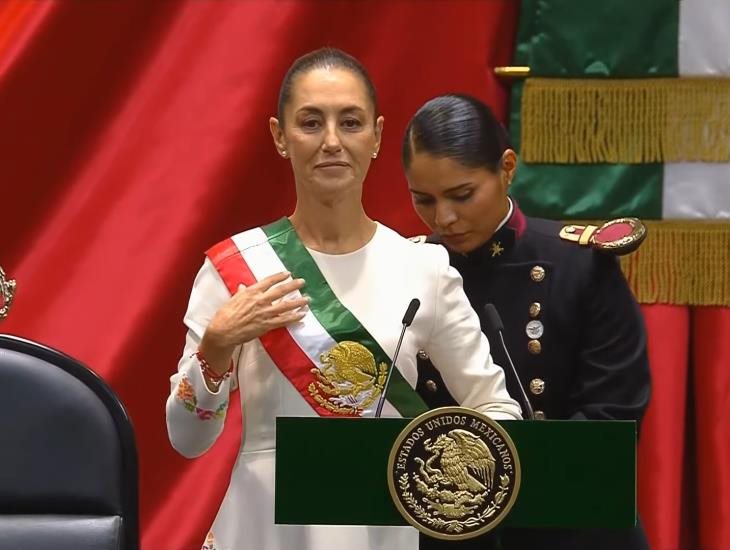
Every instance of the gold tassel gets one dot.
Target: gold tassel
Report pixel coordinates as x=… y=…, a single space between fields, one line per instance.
x=681 y=263
x=626 y=121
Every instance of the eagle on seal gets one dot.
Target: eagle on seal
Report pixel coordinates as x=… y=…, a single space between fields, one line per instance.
x=466 y=461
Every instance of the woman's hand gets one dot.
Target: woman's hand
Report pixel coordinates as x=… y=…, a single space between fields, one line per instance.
x=251 y=312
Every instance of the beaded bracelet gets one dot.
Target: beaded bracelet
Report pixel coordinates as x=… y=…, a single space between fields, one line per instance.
x=208 y=370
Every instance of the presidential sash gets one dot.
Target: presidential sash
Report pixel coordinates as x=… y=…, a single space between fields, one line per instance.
x=329 y=357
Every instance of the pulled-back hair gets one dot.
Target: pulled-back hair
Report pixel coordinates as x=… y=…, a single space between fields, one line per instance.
x=323 y=58
x=458 y=127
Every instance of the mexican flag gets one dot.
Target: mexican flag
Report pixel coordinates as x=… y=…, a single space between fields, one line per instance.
x=626 y=112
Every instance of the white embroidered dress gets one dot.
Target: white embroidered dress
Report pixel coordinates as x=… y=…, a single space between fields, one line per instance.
x=376 y=283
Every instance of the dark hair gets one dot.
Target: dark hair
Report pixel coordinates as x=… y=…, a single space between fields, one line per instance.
x=323 y=58
x=459 y=127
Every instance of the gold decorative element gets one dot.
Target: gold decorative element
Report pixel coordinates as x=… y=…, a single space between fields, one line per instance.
x=537 y=273
x=535 y=309
x=449 y=509
x=496 y=248
x=580 y=234
x=444 y=477
x=7 y=293
x=626 y=120
x=431 y=386
x=594 y=236
x=458 y=450
x=537 y=386
x=629 y=242
x=534 y=347
x=349 y=376
x=681 y=263
x=539 y=415
x=512 y=71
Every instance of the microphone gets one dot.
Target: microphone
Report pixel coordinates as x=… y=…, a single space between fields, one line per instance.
x=494 y=324
x=409 y=315
x=407 y=320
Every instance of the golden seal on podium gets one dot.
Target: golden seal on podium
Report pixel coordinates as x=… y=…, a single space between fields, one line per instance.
x=453 y=473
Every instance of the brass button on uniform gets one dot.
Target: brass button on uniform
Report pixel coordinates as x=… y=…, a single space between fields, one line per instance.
x=537 y=386
x=539 y=415
x=422 y=355
x=535 y=308
x=537 y=273
x=431 y=386
x=534 y=347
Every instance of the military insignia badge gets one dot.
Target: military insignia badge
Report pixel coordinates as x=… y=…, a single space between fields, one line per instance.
x=619 y=236
x=453 y=473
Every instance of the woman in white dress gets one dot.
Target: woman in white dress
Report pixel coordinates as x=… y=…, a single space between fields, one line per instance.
x=278 y=310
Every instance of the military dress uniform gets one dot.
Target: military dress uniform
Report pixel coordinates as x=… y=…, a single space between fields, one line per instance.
x=576 y=336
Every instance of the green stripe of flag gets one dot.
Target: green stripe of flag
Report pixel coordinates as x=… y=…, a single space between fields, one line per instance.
x=618 y=39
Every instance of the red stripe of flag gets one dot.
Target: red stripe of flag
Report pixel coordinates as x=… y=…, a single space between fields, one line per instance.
x=278 y=343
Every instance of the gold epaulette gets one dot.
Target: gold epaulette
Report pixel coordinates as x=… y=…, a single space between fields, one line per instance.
x=619 y=236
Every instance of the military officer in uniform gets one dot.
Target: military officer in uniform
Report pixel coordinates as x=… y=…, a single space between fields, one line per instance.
x=572 y=325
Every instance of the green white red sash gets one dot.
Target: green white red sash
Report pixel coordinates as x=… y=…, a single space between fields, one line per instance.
x=315 y=355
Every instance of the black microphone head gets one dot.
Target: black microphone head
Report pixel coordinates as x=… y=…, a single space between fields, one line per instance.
x=411 y=311
x=494 y=321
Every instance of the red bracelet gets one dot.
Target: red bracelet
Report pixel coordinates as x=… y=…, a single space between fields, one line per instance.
x=208 y=370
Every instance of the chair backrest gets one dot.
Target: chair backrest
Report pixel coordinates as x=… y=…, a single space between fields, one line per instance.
x=68 y=461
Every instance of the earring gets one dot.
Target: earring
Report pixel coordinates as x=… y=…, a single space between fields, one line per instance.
x=283 y=153
x=375 y=155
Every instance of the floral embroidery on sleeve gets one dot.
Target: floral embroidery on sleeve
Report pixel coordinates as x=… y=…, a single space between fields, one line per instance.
x=186 y=395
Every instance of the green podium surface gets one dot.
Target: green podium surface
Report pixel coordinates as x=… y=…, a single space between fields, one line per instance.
x=333 y=471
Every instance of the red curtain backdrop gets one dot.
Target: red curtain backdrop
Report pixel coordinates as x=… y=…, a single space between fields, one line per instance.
x=662 y=442
x=134 y=134
x=684 y=450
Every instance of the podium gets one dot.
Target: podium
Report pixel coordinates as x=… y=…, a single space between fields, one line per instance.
x=575 y=474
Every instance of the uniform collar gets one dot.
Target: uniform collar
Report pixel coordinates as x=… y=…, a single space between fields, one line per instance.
x=501 y=243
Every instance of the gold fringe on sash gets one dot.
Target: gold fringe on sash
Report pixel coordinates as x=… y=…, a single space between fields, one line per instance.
x=626 y=121
x=681 y=263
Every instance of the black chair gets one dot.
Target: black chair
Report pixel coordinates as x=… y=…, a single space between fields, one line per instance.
x=68 y=461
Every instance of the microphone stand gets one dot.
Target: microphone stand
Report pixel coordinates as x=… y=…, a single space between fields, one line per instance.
x=495 y=324
x=407 y=320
